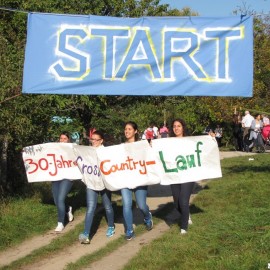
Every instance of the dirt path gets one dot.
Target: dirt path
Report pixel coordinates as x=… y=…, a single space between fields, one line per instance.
x=158 y=197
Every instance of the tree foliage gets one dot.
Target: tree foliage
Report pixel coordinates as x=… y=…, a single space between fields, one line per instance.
x=27 y=119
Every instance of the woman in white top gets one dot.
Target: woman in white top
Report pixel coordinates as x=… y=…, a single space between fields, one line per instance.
x=97 y=139
x=255 y=130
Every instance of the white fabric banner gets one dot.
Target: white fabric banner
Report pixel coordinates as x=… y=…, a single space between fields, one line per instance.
x=50 y=162
x=187 y=159
x=87 y=162
x=168 y=161
x=129 y=165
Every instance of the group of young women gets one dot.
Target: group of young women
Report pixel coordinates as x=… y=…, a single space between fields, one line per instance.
x=181 y=192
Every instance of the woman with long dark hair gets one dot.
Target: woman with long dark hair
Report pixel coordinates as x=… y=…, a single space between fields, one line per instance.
x=60 y=190
x=131 y=134
x=181 y=192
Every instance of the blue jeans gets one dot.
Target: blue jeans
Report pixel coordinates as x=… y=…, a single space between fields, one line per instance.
x=181 y=195
x=140 y=195
x=91 y=200
x=60 y=190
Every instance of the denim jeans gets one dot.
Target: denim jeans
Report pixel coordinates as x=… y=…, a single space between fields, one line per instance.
x=91 y=200
x=181 y=194
x=140 y=195
x=60 y=190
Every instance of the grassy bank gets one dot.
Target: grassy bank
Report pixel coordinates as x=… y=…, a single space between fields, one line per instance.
x=231 y=227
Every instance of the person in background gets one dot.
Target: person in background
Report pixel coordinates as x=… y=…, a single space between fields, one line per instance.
x=218 y=134
x=181 y=192
x=255 y=129
x=246 y=123
x=131 y=134
x=92 y=191
x=163 y=131
x=237 y=132
x=60 y=190
x=156 y=133
x=149 y=133
x=265 y=120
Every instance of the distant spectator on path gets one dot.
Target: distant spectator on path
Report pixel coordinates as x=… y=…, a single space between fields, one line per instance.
x=218 y=134
x=246 y=123
x=237 y=133
x=156 y=133
x=265 y=120
x=163 y=131
x=149 y=133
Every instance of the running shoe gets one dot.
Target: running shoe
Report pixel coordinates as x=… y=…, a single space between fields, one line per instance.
x=110 y=231
x=129 y=235
x=183 y=231
x=69 y=214
x=84 y=239
x=60 y=227
x=149 y=222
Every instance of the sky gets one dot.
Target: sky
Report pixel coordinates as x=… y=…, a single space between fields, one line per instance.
x=213 y=8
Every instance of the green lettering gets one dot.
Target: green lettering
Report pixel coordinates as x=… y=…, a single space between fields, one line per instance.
x=181 y=160
x=191 y=161
x=198 y=153
x=164 y=164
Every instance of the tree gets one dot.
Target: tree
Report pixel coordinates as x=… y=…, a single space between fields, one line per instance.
x=27 y=119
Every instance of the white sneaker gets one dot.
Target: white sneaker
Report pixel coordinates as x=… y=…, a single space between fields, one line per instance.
x=69 y=214
x=183 y=231
x=190 y=221
x=60 y=227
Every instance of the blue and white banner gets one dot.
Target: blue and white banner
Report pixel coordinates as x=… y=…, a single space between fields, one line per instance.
x=94 y=55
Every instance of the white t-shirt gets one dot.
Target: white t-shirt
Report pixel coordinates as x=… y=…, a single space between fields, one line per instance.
x=155 y=129
x=265 y=121
x=246 y=121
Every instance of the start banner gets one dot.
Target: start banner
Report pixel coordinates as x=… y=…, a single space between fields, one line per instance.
x=164 y=56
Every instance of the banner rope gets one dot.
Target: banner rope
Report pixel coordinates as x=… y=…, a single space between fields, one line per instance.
x=26 y=12
x=10 y=98
x=13 y=10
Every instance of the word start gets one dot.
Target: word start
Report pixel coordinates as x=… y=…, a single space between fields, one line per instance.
x=124 y=48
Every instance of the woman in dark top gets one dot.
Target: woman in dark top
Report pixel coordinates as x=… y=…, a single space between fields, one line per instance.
x=181 y=192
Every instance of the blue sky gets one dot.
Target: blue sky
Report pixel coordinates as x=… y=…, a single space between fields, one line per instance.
x=214 y=8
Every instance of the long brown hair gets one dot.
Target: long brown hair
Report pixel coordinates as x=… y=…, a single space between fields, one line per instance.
x=184 y=125
x=135 y=127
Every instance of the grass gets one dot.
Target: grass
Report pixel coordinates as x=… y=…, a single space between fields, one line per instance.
x=231 y=227
x=231 y=230
x=24 y=217
x=88 y=259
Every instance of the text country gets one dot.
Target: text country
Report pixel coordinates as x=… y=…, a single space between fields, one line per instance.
x=130 y=164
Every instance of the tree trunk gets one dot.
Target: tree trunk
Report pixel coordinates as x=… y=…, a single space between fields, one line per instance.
x=3 y=165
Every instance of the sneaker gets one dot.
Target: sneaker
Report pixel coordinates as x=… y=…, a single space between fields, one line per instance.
x=84 y=239
x=69 y=214
x=130 y=235
x=149 y=223
x=190 y=221
x=60 y=227
x=183 y=231
x=110 y=231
